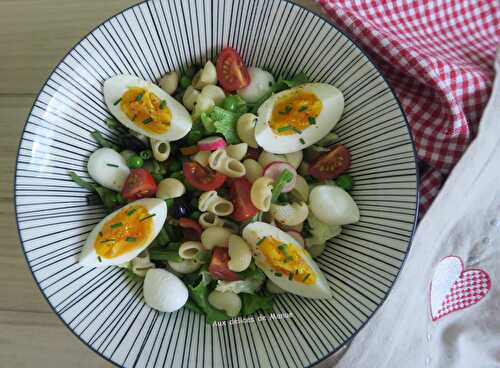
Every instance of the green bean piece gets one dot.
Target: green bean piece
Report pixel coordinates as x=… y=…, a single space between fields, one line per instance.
x=164 y=255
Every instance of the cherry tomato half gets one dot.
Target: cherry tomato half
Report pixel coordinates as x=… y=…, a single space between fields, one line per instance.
x=231 y=71
x=239 y=193
x=191 y=230
x=331 y=164
x=139 y=184
x=202 y=178
x=218 y=265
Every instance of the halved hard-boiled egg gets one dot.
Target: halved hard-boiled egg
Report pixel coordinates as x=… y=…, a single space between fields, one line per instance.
x=298 y=117
x=285 y=261
x=145 y=108
x=125 y=233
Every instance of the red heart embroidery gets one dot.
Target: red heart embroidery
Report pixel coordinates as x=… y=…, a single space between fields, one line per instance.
x=453 y=288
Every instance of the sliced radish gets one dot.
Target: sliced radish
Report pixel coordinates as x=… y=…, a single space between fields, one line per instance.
x=211 y=143
x=297 y=236
x=274 y=170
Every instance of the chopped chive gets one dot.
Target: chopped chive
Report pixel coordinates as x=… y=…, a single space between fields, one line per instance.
x=145 y=218
x=306 y=277
x=131 y=212
x=118 y=224
x=107 y=240
x=147 y=121
x=100 y=233
x=117 y=101
x=286 y=111
x=259 y=242
x=301 y=140
x=139 y=96
x=288 y=259
x=99 y=258
x=112 y=165
x=163 y=104
x=302 y=108
x=297 y=130
x=278 y=274
x=290 y=276
x=312 y=120
x=131 y=239
x=284 y=128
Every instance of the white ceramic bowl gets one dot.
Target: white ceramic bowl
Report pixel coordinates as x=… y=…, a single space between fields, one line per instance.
x=103 y=307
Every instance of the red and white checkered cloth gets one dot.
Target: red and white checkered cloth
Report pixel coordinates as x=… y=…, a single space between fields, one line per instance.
x=438 y=55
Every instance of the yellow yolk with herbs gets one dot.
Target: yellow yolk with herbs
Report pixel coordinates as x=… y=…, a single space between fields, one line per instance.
x=286 y=260
x=126 y=231
x=295 y=112
x=146 y=110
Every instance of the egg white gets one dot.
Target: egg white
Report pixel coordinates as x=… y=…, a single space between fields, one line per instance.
x=88 y=255
x=108 y=168
x=256 y=230
x=115 y=87
x=333 y=106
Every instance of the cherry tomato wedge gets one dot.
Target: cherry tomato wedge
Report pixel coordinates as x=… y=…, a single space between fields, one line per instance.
x=191 y=229
x=202 y=178
x=239 y=193
x=139 y=184
x=331 y=164
x=218 y=265
x=231 y=71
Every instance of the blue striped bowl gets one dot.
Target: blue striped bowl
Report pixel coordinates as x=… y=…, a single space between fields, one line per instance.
x=103 y=307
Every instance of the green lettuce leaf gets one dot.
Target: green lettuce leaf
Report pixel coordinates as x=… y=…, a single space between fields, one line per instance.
x=225 y=123
x=282 y=84
x=207 y=122
x=278 y=86
x=252 y=303
x=199 y=296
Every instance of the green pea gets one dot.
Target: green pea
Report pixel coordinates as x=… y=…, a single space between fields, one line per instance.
x=174 y=165
x=194 y=136
x=185 y=82
x=135 y=162
x=157 y=177
x=195 y=215
x=146 y=154
x=177 y=175
x=194 y=202
x=345 y=182
x=231 y=103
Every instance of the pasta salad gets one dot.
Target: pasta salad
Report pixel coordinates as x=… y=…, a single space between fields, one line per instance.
x=222 y=186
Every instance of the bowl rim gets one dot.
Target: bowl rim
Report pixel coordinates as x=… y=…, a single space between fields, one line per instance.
x=325 y=18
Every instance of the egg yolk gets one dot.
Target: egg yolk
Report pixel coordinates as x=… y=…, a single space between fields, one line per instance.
x=295 y=112
x=146 y=110
x=286 y=260
x=126 y=231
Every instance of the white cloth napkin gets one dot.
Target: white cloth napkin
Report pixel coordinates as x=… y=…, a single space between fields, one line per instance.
x=444 y=310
